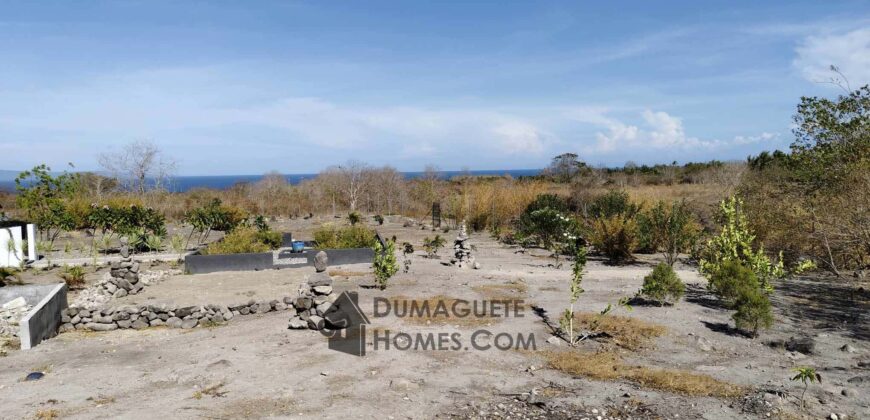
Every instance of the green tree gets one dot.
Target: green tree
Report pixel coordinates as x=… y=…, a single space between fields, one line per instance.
x=672 y=229
x=384 y=264
x=44 y=200
x=663 y=284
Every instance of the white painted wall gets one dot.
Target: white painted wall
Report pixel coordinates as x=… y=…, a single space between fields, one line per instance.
x=31 y=243
x=11 y=255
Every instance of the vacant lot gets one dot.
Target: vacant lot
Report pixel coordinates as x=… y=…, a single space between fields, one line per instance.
x=654 y=362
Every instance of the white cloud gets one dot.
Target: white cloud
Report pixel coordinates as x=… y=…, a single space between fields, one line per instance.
x=850 y=51
x=519 y=137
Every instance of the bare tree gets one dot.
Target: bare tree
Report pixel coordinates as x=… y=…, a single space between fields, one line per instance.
x=138 y=163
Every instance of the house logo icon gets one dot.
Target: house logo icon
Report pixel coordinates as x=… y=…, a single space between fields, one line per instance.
x=346 y=325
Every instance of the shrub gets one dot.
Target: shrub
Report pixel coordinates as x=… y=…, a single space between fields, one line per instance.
x=433 y=245
x=384 y=264
x=671 y=229
x=753 y=310
x=214 y=216
x=379 y=219
x=330 y=236
x=734 y=243
x=728 y=281
x=74 y=276
x=615 y=237
x=353 y=218
x=612 y=203
x=245 y=240
x=663 y=285
x=7 y=273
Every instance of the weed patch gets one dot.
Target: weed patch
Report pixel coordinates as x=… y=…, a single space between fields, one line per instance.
x=627 y=332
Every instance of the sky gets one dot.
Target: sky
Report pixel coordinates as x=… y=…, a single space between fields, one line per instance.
x=250 y=87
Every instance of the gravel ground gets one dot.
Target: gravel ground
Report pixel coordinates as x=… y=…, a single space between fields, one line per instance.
x=254 y=367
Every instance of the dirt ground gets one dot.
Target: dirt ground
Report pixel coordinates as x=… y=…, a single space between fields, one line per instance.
x=254 y=367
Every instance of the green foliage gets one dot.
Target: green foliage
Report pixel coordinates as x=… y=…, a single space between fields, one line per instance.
x=379 y=219
x=74 y=276
x=330 y=236
x=615 y=237
x=806 y=375
x=384 y=264
x=566 y=323
x=177 y=244
x=214 y=216
x=613 y=203
x=671 y=229
x=133 y=221
x=353 y=218
x=44 y=199
x=433 y=245
x=245 y=240
x=735 y=243
x=728 y=281
x=753 y=310
x=663 y=284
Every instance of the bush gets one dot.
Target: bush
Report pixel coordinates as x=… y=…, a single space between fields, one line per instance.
x=734 y=244
x=214 y=216
x=433 y=245
x=379 y=219
x=615 y=237
x=671 y=229
x=663 y=285
x=245 y=240
x=730 y=279
x=74 y=276
x=330 y=236
x=384 y=264
x=612 y=203
x=753 y=310
x=353 y=218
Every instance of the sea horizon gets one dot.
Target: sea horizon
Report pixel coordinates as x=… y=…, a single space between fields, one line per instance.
x=184 y=183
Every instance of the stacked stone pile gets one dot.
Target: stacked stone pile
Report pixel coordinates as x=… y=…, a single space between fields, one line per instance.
x=315 y=299
x=10 y=315
x=124 y=276
x=462 y=257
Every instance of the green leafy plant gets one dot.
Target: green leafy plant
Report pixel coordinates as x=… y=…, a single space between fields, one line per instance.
x=213 y=216
x=735 y=243
x=379 y=219
x=384 y=264
x=330 y=236
x=353 y=218
x=806 y=375
x=729 y=279
x=574 y=291
x=74 y=276
x=433 y=245
x=154 y=242
x=663 y=285
x=613 y=203
x=177 y=245
x=672 y=229
x=44 y=199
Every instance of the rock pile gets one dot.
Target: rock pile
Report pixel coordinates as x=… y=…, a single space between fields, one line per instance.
x=315 y=299
x=124 y=276
x=10 y=315
x=462 y=257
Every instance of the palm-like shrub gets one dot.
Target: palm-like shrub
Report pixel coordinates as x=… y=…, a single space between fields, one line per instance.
x=73 y=276
x=663 y=285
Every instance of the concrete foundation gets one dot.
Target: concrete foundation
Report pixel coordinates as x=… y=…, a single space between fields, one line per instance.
x=42 y=321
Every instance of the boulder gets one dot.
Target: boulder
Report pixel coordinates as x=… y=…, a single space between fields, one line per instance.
x=174 y=322
x=321 y=261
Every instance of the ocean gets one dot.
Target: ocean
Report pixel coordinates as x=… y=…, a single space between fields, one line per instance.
x=220 y=182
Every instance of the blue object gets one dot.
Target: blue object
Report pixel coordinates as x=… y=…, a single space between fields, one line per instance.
x=34 y=376
x=298 y=246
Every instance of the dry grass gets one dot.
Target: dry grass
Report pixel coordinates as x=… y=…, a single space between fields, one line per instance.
x=435 y=317
x=512 y=290
x=47 y=414
x=608 y=366
x=346 y=273
x=627 y=332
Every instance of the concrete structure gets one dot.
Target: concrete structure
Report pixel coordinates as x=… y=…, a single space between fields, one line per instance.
x=284 y=258
x=30 y=235
x=11 y=254
x=42 y=321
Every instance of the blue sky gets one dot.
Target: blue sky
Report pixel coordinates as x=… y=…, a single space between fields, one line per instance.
x=249 y=87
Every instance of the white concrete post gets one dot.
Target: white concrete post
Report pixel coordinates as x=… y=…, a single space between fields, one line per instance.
x=31 y=243
x=11 y=254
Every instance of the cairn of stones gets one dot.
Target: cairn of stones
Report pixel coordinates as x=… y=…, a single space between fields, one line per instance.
x=462 y=257
x=315 y=299
x=124 y=276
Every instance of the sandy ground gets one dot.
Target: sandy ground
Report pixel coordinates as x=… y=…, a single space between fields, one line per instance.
x=254 y=367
